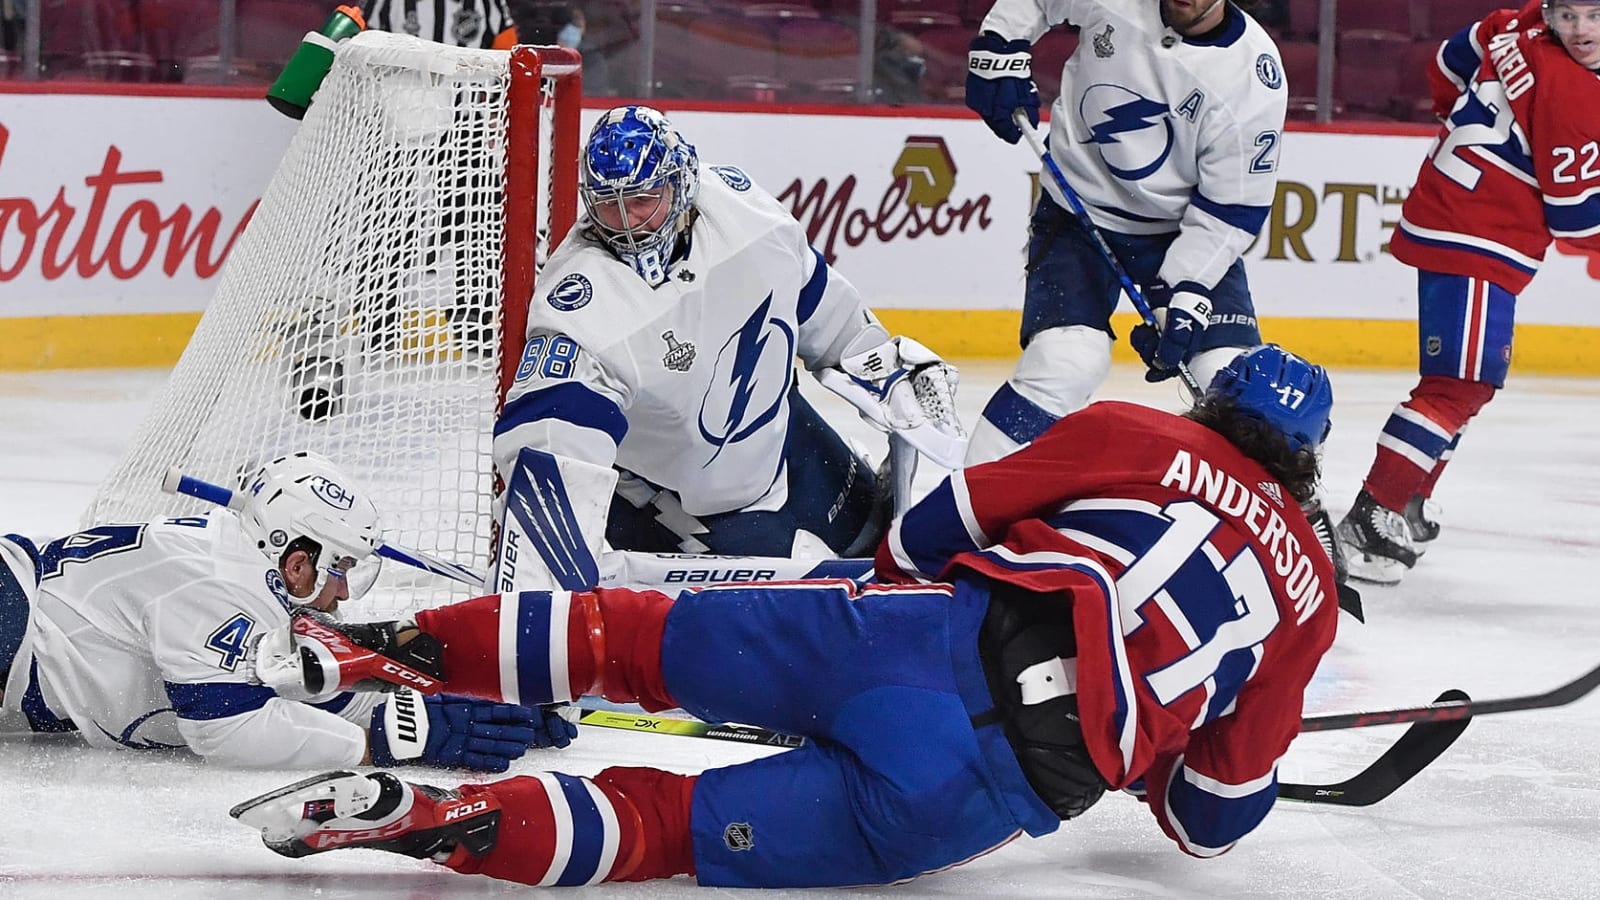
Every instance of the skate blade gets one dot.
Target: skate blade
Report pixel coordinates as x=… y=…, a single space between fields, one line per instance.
x=280 y=815
x=1374 y=571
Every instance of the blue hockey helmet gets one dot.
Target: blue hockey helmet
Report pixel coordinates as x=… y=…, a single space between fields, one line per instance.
x=639 y=182
x=1271 y=384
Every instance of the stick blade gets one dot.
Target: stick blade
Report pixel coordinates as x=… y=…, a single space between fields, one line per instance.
x=1422 y=743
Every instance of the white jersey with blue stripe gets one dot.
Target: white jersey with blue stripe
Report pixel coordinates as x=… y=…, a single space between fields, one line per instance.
x=685 y=384
x=138 y=636
x=1159 y=133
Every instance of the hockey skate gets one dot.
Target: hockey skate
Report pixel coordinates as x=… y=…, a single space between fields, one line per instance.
x=1421 y=519
x=1322 y=524
x=336 y=810
x=1376 y=542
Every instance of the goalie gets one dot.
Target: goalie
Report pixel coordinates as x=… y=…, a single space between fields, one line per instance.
x=147 y=637
x=659 y=368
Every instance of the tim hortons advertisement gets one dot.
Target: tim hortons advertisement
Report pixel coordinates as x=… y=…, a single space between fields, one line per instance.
x=131 y=204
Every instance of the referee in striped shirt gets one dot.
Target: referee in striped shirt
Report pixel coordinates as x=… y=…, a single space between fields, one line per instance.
x=462 y=23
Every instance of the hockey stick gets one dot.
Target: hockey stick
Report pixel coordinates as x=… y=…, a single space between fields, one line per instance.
x=1460 y=708
x=1078 y=210
x=176 y=482
x=1414 y=751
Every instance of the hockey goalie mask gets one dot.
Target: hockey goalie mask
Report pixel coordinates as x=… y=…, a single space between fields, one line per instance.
x=303 y=502
x=1271 y=384
x=639 y=183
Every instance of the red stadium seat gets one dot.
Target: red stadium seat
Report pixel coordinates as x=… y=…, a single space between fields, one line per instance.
x=1049 y=55
x=910 y=12
x=1304 y=16
x=1417 y=98
x=1368 y=74
x=1375 y=15
x=817 y=56
x=945 y=50
x=715 y=54
x=1446 y=17
x=270 y=30
x=92 y=39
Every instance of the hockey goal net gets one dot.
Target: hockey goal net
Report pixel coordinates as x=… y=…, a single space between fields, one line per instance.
x=374 y=307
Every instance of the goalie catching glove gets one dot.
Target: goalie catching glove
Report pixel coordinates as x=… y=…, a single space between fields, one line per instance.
x=461 y=732
x=902 y=387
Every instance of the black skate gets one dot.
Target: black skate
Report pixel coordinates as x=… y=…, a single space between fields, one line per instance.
x=1322 y=524
x=1420 y=520
x=1376 y=542
x=336 y=810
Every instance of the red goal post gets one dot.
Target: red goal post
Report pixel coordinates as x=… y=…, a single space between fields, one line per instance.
x=373 y=310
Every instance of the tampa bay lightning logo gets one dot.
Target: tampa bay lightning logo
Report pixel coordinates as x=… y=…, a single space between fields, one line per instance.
x=278 y=589
x=573 y=292
x=751 y=379
x=735 y=177
x=1132 y=133
x=136 y=735
x=1268 y=70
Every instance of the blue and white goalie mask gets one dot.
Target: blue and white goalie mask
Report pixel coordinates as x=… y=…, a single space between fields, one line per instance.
x=639 y=182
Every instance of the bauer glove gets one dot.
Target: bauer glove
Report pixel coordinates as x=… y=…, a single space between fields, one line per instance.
x=1000 y=81
x=460 y=732
x=1182 y=317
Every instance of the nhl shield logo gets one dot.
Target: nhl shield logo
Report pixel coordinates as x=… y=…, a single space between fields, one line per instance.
x=1102 y=43
x=738 y=836
x=680 y=355
x=1435 y=345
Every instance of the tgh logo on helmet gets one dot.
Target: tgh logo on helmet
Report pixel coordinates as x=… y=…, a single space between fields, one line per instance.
x=331 y=492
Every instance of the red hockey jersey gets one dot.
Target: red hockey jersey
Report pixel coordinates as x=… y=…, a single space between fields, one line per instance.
x=1200 y=597
x=1517 y=161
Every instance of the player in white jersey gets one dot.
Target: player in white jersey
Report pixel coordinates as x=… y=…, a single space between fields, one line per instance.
x=661 y=349
x=144 y=637
x=1168 y=127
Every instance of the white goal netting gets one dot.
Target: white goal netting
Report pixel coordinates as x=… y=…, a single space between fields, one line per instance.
x=361 y=313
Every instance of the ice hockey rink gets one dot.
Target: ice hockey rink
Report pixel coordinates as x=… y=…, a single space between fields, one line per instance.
x=1505 y=604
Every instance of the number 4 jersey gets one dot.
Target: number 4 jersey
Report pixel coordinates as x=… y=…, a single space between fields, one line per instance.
x=1199 y=595
x=138 y=638
x=1517 y=162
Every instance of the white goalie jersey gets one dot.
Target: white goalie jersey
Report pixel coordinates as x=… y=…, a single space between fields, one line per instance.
x=138 y=638
x=1157 y=132
x=687 y=384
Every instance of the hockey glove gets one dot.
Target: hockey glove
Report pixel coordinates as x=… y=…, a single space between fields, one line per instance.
x=460 y=732
x=1000 y=81
x=900 y=386
x=1181 y=316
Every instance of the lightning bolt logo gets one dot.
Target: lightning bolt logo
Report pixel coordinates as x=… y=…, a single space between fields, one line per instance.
x=1120 y=123
x=749 y=348
x=1135 y=115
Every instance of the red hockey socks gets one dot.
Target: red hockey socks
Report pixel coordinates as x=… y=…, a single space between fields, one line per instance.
x=1420 y=432
x=542 y=646
x=625 y=824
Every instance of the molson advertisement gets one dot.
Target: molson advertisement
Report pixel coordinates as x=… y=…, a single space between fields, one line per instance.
x=118 y=212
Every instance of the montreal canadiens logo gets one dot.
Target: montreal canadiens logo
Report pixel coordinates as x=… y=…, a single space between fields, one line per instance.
x=735 y=178
x=574 y=292
x=1268 y=70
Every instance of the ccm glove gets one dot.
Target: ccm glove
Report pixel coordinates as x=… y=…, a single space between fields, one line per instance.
x=1181 y=316
x=460 y=732
x=1000 y=81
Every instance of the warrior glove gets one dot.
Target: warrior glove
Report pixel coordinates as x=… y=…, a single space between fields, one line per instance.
x=900 y=386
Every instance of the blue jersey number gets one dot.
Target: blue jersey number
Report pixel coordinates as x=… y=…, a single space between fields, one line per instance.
x=1266 y=159
x=548 y=356
x=87 y=545
x=229 y=640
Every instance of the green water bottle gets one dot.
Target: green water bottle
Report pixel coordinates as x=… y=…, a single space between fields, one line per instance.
x=291 y=93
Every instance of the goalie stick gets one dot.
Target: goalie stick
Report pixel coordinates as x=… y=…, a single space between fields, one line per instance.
x=176 y=482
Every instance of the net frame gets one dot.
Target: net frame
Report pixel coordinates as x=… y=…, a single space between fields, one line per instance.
x=293 y=317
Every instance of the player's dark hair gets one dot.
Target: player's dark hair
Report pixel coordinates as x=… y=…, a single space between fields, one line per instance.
x=1296 y=470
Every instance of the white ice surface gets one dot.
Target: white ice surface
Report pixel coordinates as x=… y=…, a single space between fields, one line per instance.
x=1506 y=603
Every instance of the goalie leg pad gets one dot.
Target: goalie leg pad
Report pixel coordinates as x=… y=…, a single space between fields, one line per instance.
x=541 y=646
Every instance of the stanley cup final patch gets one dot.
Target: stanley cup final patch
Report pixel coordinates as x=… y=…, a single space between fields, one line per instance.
x=680 y=354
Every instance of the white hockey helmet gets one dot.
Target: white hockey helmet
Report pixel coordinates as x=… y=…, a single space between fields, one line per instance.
x=304 y=502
